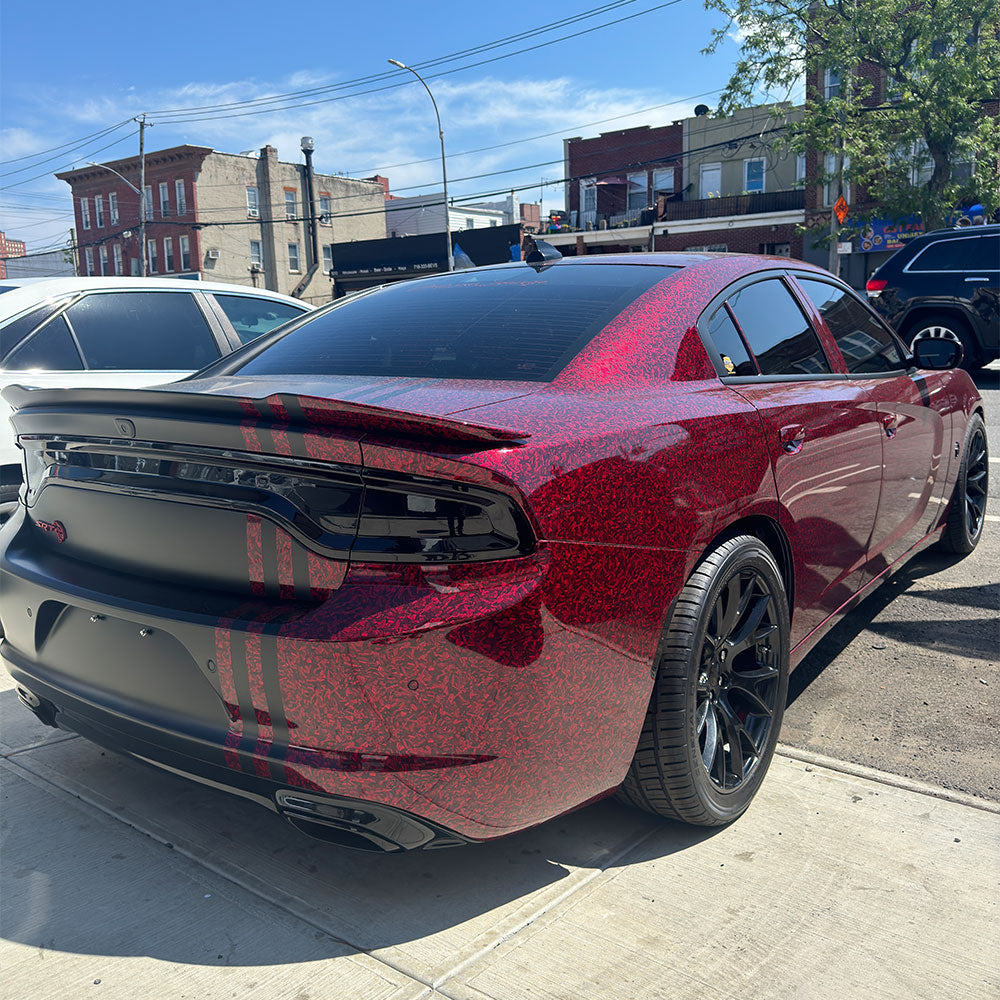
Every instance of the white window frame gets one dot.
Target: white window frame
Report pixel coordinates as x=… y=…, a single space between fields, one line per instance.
x=763 y=174
x=113 y=207
x=702 y=170
x=85 y=213
x=184 y=245
x=658 y=175
x=88 y=261
x=99 y=210
x=294 y=255
x=470 y=222
x=588 y=191
x=800 y=168
x=325 y=210
x=151 y=262
x=148 y=198
x=253 y=201
x=104 y=260
x=133 y=266
x=328 y=258
x=292 y=202
x=641 y=179
x=828 y=86
x=168 y=254
x=119 y=269
x=830 y=163
x=180 y=197
x=257 y=255
x=164 y=200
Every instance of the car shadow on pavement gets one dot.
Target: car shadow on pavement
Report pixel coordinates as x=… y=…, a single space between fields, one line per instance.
x=89 y=883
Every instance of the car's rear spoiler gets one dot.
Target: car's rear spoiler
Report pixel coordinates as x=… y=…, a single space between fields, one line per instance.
x=34 y=410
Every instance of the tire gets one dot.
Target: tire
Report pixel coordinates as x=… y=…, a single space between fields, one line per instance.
x=694 y=691
x=967 y=510
x=946 y=327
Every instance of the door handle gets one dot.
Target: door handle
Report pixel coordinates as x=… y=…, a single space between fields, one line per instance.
x=890 y=423
x=792 y=437
x=978 y=279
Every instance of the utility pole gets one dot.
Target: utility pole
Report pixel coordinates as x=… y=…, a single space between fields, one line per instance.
x=142 y=194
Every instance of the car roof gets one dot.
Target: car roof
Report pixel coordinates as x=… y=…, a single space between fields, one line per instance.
x=963 y=232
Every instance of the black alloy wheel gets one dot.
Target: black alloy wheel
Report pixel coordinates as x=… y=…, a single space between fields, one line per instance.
x=967 y=511
x=720 y=689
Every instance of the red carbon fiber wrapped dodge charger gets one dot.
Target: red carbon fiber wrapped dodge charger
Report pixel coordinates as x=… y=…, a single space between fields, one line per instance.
x=455 y=556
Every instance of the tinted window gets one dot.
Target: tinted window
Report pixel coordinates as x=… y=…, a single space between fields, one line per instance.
x=729 y=344
x=777 y=331
x=511 y=323
x=251 y=318
x=965 y=254
x=867 y=346
x=51 y=349
x=7 y=288
x=14 y=332
x=142 y=331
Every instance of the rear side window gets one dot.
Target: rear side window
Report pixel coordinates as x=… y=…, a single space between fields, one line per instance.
x=513 y=323
x=867 y=346
x=968 y=253
x=142 y=331
x=780 y=336
x=15 y=331
x=51 y=349
x=252 y=318
x=729 y=344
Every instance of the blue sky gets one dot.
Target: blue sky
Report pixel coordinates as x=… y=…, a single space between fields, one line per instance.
x=69 y=70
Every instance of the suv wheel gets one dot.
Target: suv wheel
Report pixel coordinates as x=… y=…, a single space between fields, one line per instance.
x=944 y=327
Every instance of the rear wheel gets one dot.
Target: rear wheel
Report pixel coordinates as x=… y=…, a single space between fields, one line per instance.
x=945 y=327
x=967 y=511
x=722 y=679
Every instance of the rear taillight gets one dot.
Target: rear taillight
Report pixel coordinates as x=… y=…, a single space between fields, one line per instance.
x=875 y=287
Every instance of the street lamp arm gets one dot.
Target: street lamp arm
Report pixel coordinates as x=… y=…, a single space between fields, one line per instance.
x=102 y=166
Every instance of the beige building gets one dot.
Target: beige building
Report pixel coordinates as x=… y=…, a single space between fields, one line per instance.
x=248 y=219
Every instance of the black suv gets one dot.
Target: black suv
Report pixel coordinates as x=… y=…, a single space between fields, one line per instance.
x=945 y=284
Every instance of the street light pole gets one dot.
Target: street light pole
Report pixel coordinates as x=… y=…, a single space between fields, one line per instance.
x=444 y=169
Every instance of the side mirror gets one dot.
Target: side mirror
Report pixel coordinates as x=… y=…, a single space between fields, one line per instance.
x=937 y=353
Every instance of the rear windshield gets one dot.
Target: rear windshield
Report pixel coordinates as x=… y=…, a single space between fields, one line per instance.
x=512 y=323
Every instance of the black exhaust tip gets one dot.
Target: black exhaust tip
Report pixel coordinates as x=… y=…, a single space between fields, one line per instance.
x=41 y=708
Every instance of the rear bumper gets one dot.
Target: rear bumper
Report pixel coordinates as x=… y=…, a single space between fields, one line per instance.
x=411 y=707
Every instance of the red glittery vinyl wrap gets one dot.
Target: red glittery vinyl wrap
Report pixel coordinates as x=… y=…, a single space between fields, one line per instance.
x=491 y=695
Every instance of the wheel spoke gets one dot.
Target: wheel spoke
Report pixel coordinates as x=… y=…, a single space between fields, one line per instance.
x=731 y=725
x=757 y=705
x=731 y=610
x=748 y=632
x=712 y=744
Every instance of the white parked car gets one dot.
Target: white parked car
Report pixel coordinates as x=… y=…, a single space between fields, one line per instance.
x=120 y=333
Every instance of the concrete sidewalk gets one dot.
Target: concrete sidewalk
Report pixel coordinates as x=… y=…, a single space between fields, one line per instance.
x=120 y=881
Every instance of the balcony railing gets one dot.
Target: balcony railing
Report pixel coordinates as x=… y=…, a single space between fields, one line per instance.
x=737 y=204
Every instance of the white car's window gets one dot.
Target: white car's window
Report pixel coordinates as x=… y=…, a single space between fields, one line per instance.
x=17 y=329
x=252 y=318
x=51 y=349
x=142 y=331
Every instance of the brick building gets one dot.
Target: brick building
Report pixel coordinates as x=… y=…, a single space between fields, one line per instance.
x=9 y=248
x=217 y=216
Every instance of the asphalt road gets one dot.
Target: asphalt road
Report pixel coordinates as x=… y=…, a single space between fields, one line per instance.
x=908 y=682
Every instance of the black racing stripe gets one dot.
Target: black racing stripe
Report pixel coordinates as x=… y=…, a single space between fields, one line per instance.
x=241 y=680
x=269 y=557
x=300 y=571
x=298 y=422
x=275 y=706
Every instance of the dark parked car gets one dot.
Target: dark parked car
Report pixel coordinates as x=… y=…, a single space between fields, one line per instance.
x=456 y=556
x=945 y=285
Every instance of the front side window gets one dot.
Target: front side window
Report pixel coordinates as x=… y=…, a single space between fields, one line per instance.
x=164 y=200
x=780 y=336
x=293 y=257
x=753 y=175
x=175 y=336
x=99 y=210
x=252 y=317
x=290 y=203
x=185 y=245
x=180 y=197
x=867 y=346
x=113 y=208
x=85 y=213
x=511 y=323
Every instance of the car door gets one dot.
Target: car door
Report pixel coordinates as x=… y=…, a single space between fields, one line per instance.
x=912 y=412
x=823 y=437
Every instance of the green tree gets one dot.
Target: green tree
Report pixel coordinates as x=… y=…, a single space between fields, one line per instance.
x=912 y=118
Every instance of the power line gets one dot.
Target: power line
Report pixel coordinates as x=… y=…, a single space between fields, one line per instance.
x=94 y=152
x=59 y=156
x=71 y=142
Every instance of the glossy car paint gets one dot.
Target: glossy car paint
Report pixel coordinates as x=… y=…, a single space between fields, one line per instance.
x=488 y=696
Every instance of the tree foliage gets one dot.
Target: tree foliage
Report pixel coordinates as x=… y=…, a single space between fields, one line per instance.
x=913 y=115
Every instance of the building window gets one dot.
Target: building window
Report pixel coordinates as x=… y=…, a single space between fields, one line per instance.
x=638 y=192
x=180 y=197
x=710 y=180
x=293 y=257
x=113 y=208
x=753 y=175
x=118 y=258
x=164 y=200
x=830 y=187
x=290 y=212
x=588 y=196
x=325 y=211
x=253 y=208
x=148 y=200
x=328 y=258
x=493 y=222
x=962 y=171
x=708 y=248
x=104 y=259
x=776 y=249
x=663 y=181
x=168 y=254
x=99 y=210
x=256 y=255
x=831 y=83
x=88 y=258
x=470 y=223
x=133 y=266
x=800 y=168
x=85 y=214
x=151 y=254
x=185 y=246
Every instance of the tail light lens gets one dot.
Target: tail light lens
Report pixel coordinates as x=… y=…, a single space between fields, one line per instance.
x=875 y=286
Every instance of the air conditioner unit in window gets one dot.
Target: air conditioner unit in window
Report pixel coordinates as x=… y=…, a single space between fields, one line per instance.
x=214 y=254
x=252 y=213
